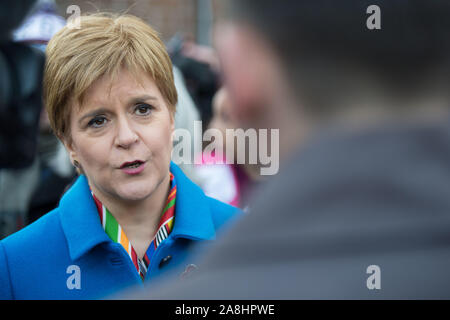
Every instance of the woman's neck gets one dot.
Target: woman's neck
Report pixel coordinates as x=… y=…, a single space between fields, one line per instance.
x=139 y=219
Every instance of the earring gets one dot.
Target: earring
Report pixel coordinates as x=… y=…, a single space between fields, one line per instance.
x=76 y=163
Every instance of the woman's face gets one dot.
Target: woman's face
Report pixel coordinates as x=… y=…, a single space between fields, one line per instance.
x=122 y=137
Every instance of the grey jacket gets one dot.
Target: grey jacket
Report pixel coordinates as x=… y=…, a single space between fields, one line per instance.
x=352 y=216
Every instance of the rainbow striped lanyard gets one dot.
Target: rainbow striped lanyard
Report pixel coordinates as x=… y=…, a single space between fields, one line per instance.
x=116 y=234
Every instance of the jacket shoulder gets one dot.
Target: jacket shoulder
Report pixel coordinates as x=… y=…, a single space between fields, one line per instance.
x=43 y=239
x=222 y=213
x=46 y=226
x=24 y=249
x=5 y=279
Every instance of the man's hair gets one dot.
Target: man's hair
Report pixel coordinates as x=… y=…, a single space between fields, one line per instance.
x=322 y=41
x=102 y=45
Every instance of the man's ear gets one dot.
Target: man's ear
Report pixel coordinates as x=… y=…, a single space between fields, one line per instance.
x=246 y=64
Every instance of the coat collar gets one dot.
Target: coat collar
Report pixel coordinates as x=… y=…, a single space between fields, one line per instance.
x=79 y=219
x=193 y=215
x=83 y=231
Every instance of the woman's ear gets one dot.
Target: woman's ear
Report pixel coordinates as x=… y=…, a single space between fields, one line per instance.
x=68 y=144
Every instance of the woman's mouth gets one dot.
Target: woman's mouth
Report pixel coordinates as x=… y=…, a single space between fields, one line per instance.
x=133 y=167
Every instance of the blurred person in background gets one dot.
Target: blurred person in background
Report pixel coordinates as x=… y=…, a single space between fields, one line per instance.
x=21 y=68
x=227 y=181
x=200 y=68
x=132 y=214
x=361 y=206
x=186 y=115
x=54 y=169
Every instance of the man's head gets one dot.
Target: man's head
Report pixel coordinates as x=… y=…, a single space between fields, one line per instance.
x=322 y=55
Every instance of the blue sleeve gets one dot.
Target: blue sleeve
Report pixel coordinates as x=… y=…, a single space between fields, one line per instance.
x=5 y=280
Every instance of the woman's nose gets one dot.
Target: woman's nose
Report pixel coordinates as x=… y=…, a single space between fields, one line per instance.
x=126 y=134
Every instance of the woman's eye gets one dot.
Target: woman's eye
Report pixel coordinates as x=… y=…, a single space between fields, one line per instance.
x=97 y=122
x=142 y=109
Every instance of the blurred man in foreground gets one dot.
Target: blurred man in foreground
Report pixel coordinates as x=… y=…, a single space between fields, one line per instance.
x=361 y=206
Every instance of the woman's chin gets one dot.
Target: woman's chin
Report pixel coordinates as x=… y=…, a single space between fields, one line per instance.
x=133 y=196
x=135 y=192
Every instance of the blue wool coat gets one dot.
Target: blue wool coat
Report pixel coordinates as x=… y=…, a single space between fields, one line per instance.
x=66 y=254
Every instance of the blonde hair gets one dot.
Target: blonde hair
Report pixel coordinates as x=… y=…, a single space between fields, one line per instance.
x=102 y=45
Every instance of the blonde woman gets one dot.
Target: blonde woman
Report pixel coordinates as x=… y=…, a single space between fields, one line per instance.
x=132 y=213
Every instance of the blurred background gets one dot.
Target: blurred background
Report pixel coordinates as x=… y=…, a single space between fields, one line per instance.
x=192 y=17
